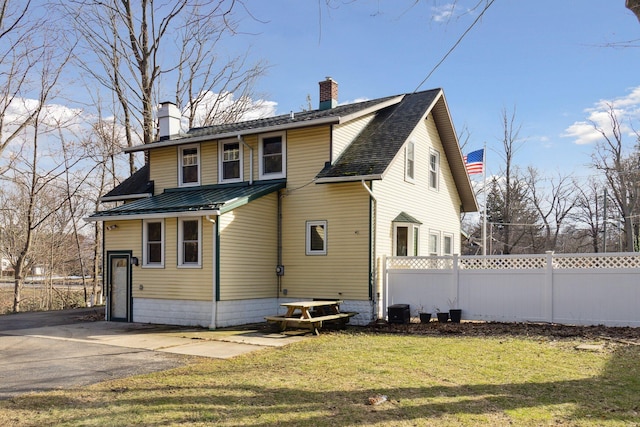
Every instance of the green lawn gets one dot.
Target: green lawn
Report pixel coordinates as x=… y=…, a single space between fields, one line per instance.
x=327 y=380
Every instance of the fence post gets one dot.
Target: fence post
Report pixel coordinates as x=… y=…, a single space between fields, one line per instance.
x=385 y=289
x=548 y=290
x=456 y=279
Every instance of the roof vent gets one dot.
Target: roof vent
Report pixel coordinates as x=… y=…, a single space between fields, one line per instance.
x=328 y=93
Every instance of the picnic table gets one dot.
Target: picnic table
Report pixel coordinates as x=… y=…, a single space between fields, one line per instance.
x=299 y=313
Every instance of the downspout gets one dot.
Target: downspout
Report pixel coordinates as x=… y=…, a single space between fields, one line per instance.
x=240 y=139
x=375 y=296
x=214 y=274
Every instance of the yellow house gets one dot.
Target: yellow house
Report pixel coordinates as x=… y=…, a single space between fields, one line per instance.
x=227 y=222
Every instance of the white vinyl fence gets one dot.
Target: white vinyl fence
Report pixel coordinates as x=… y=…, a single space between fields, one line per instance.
x=579 y=289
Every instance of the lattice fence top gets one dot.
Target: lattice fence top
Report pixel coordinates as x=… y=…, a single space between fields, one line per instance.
x=515 y=262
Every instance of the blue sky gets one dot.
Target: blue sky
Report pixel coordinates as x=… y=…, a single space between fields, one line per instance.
x=551 y=60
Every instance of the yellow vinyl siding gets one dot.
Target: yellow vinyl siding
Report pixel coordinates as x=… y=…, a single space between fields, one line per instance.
x=248 y=250
x=343 y=272
x=163 y=168
x=170 y=282
x=344 y=134
x=208 y=163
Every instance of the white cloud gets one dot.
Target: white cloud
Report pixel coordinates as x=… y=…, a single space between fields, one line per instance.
x=444 y=12
x=626 y=109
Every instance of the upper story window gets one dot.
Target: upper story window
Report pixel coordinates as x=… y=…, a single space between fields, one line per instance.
x=273 y=157
x=230 y=155
x=153 y=243
x=434 y=169
x=409 y=165
x=189 y=168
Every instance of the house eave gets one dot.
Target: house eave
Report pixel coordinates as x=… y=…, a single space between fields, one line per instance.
x=153 y=215
x=124 y=197
x=348 y=117
x=337 y=179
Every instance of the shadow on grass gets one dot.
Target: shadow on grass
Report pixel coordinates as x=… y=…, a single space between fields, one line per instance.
x=609 y=397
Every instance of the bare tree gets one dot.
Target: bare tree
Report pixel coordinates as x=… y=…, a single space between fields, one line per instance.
x=589 y=215
x=553 y=199
x=19 y=56
x=135 y=47
x=621 y=171
x=634 y=6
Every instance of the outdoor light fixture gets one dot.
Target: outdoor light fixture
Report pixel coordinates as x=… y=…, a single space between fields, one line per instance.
x=134 y=261
x=112 y=227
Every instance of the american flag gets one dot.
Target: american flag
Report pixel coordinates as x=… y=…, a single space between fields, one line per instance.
x=474 y=162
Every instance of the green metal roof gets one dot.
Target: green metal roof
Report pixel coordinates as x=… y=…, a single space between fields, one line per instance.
x=405 y=217
x=204 y=200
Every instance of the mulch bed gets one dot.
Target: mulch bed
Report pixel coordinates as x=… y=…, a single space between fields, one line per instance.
x=498 y=329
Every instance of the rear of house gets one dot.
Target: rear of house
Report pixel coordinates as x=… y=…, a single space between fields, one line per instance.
x=227 y=222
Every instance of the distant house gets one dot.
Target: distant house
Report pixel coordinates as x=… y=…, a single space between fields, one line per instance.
x=226 y=222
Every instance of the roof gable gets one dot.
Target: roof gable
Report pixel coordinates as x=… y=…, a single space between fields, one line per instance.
x=136 y=186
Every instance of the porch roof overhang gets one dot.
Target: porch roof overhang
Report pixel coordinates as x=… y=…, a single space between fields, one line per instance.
x=191 y=202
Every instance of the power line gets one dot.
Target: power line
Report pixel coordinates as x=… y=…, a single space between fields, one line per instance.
x=487 y=6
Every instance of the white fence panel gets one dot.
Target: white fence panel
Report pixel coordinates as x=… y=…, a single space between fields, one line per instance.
x=580 y=289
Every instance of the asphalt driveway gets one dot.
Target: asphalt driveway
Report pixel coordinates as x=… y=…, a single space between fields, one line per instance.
x=65 y=349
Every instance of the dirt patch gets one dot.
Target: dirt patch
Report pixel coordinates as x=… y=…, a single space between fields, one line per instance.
x=498 y=329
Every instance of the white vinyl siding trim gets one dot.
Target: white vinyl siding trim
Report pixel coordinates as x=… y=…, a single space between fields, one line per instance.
x=188 y=160
x=149 y=241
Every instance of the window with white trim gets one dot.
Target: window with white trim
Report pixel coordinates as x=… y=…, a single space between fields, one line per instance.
x=153 y=243
x=434 y=169
x=409 y=165
x=273 y=156
x=189 y=165
x=189 y=242
x=447 y=244
x=230 y=155
x=406 y=240
x=316 y=238
x=434 y=243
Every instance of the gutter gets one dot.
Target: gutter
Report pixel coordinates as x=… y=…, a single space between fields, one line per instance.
x=363 y=178
x=127 y=197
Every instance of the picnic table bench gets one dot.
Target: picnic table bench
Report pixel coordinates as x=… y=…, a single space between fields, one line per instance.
x=298 y=314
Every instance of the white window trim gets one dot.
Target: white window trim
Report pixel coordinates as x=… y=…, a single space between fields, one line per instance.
x=283 y=173
x=438 y=243
x=411 y=229
x=221 y=145
x=407 y=177
x=444 y=237
x=435 y=187
x=145 y=241
x=180 y=243
x=308 y=226
x=180 y=165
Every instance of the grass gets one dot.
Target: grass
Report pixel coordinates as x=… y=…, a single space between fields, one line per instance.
x=327 y=380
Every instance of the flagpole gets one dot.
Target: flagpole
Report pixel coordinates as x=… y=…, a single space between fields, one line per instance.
x=484 y=185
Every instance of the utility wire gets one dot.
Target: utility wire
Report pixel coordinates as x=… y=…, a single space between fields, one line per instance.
x=487 y=6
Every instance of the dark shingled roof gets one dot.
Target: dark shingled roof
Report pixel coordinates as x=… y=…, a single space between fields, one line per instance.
x=405 y=217
x=285 y=119
x=375 y=147
x=137 y=184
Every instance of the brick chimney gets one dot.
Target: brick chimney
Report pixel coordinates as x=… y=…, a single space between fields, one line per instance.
x=328 y=93
x=168 y=120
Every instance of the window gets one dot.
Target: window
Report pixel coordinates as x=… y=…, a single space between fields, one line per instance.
x=153 y=246
x=230 y=155
x=434 y=243
x=447 y=244
x=316 y=238
x=407 y=239
x=189 y=169
x=434 y=169
x=272 y=156
x=189 y=242
x=409 y=167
